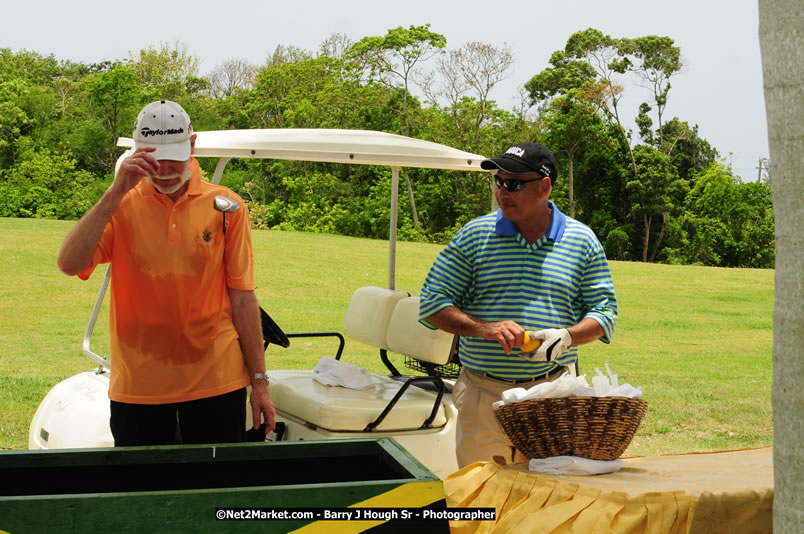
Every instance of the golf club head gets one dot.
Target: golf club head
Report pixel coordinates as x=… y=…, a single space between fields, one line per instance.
x=226 y=204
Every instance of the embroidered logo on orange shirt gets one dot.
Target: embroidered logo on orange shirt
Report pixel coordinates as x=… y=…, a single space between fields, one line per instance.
x=206 y=237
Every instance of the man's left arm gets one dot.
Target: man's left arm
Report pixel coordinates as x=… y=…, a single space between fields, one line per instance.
x=599 y=313
x=239 y=264
x=586 y=331
x=246 y=318
x=599 y=301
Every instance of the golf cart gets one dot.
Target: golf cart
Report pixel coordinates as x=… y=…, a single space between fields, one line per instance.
x=416 y=410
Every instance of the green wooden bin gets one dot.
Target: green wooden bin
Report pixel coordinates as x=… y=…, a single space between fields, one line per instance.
x=184 y=488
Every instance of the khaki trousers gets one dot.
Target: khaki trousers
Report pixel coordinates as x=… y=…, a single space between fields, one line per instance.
x=478 y=435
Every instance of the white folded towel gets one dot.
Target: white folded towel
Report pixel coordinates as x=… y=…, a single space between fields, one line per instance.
x=573 y=465
x=563 y=386
x=571 y=386
x=626 y=390
x=332 y=372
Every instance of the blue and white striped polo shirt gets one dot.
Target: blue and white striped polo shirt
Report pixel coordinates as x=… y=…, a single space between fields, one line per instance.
x=490 y=271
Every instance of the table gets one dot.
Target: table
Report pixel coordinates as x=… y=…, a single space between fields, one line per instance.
x=722 y=492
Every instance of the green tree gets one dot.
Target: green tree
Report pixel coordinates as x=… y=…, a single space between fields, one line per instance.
x=609 y=58
x=564 y=75
x=729 y=223
x=28 y=102
x=14 y=122
x=657 y=59
x=312 y=93
x=655 y=194
x=601 y=170
x=592 y=56
x=46 y=185
x=689 y=152
x=27 y=65
x=572 y=122
x=116 y=98
x=617 y=245
x=167 y=72
x=53 y=111
x=396 y=55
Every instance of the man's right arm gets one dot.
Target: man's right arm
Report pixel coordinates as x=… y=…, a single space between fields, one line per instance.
x=508 y=334
x=445 y=285
x=76 y=251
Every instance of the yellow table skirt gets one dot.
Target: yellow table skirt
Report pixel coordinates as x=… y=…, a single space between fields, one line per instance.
x=727 y=492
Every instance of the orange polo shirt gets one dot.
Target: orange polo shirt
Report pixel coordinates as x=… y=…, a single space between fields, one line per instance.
x=171 y=329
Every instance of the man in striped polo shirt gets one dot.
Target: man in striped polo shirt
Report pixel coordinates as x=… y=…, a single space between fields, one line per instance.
x=527 y=267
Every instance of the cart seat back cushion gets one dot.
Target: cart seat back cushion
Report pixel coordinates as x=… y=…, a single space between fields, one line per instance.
x=406 y=335
x=369 y=313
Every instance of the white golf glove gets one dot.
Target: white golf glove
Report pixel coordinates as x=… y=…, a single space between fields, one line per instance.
x=554 y=342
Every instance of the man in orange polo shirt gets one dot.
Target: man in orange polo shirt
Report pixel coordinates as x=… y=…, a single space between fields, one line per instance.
x=186 y=339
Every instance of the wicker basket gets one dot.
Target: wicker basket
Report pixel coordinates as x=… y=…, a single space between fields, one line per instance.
x=599 y=428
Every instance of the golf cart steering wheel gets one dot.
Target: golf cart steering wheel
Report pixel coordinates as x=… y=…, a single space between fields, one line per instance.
x=271 y=333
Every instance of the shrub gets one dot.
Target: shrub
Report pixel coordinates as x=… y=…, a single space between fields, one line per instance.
x=617 y=245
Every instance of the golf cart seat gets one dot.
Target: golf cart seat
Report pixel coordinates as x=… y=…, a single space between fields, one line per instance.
x=386 y=319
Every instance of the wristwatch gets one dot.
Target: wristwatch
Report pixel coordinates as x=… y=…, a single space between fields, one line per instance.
x=261 y=376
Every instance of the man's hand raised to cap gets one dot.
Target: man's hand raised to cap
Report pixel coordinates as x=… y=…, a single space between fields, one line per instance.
x=133 y=168
x=76 y=250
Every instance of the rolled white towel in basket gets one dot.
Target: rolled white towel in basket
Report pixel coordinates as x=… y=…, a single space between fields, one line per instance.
x=571 y=386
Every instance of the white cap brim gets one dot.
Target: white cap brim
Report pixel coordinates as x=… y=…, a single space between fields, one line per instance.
x=170 y=151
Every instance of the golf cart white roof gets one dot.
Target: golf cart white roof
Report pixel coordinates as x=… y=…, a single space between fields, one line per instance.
x=361 y=147
x=350 y=147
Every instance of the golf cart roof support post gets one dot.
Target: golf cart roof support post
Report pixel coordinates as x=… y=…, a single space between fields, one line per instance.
x=392 y=233
x=216 y=178
x=494 y=205
x=93 y=319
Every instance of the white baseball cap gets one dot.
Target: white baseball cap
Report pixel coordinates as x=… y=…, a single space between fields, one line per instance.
x=165 y=126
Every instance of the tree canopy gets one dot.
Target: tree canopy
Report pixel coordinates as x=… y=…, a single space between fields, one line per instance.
x=662 y=196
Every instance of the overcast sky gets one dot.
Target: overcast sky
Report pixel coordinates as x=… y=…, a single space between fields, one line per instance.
x=720 y=87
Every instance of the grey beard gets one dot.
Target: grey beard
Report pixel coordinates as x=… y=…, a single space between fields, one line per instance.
x=185 y=175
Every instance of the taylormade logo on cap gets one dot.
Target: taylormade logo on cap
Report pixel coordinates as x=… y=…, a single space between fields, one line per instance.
x=146 y=132
x=165 y=126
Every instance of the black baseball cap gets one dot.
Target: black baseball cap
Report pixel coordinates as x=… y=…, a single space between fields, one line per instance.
x=523 y=158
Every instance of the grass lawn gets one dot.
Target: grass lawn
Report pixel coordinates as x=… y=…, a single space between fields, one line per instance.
x=698 y=340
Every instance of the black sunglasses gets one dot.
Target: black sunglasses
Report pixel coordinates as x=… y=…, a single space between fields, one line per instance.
x=512 y=185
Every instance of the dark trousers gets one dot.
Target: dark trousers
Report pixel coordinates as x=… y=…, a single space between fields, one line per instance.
x=219 y=419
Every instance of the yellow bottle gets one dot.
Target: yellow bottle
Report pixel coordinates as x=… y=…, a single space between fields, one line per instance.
x=530 y=344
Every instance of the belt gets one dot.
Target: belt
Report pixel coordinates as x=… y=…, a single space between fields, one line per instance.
x=558 y=371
